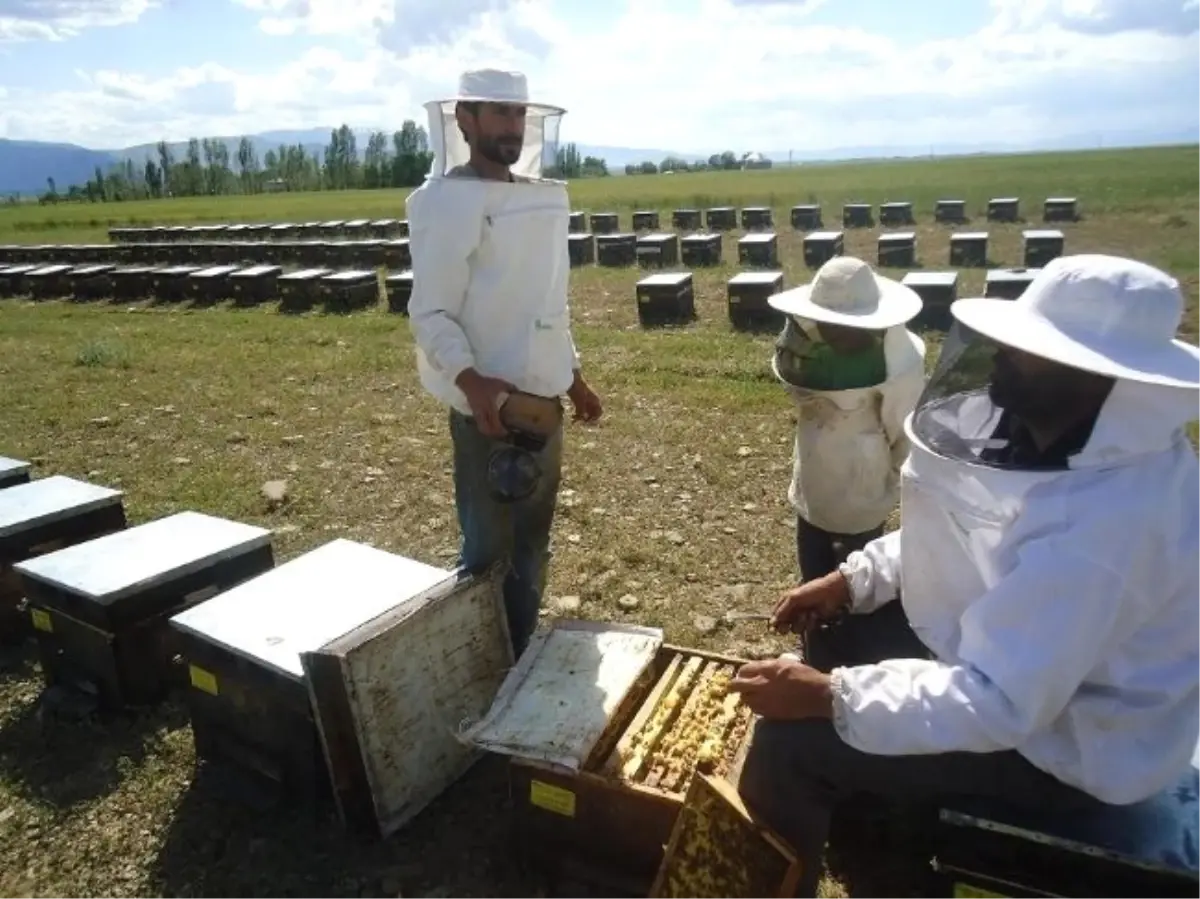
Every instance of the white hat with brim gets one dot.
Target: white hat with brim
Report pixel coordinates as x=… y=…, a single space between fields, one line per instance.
x=496 y=86
x=847 y=292
x=1103 y=314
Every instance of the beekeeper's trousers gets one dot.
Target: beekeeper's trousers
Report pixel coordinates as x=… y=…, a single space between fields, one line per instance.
x=516 y=534
x=796 y=772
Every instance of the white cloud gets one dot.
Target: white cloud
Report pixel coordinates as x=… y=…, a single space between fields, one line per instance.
x=771 y=80
x=28 y=20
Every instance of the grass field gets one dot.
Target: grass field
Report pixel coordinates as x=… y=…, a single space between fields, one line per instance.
x=677 y=498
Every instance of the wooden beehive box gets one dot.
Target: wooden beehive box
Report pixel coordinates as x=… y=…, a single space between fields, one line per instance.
x=283 y=231
x=91 y=282
x=1008 y=283
x=1004 y=209
x=581 y=249
x=938 y=290
x=397 y=254
x=1042 y=246
x=132 y=282
x=898 y=249
x=352 y=289
x=666 y=298
x=210 y=285
x=608 y=794
x=43 y=516
x=170 y=283
x=748 y=295
x=700 y=250
x=857 y=215
x=897 y=213
x=615 y=250
x=298 y=290
x=760 y=250
x=357 y=229
x=330 y=229
x=756 y=218
x=399 y=289
x=257 y=717
x=13 y=472
x=950 y=211
x=50 y=282
x=969 y=249
x=605 y=223
x=821 y=246
x=100 y=608
x=720 y=218
x=12 y=278
x=577 y=223
x=645 y=220
x=256 y=284
x=385 y=229
x=806 y=217
x=657 y=250
x=1060 y=209
x=686 y=219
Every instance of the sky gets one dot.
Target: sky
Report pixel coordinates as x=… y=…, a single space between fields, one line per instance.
x=681 y=75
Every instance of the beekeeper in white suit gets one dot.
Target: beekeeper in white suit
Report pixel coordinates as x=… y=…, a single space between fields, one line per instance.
x=489 y=312
x=1029 y=635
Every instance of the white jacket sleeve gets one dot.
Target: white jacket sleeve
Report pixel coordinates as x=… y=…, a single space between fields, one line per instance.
x=873 y=574
x=441 y=243
x=899 y=399
x=1026 y=646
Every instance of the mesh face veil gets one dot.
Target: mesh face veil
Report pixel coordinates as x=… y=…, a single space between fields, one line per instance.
x=539 y=152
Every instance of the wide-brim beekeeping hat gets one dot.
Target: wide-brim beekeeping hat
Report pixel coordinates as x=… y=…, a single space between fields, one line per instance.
x=847 y=292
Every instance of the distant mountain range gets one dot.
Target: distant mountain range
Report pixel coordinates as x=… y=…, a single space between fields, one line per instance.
x=25 y=165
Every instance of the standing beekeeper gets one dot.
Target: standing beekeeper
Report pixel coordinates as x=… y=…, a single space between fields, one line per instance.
x=1029 y=635
x=854 y=371
x=489 y=313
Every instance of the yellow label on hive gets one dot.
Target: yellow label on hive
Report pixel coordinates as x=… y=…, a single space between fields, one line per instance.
x=41 y=620
x=203 y=680
x=966 y=891
x=552 y=798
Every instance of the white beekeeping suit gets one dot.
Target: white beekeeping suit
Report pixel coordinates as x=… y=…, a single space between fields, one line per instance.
x=490 y=258
x=1062 y=605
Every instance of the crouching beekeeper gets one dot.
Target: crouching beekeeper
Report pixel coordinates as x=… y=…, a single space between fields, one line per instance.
x=489 y=312
x=1030 y=634
x=854 y=371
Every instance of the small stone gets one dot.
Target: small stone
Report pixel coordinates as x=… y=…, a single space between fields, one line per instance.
x=292 y=467
x=102 y=422
x=275 y=493
x=182 y=460
x=749 y=507
x=628 y=602
x=375 y=472
x=744 y=451
x=236 y=437
x=566 y=605
x=676 y=538
x=573 y=538
x=292 y=438
x=705 y=624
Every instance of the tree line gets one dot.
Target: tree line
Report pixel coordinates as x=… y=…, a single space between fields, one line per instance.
x=207 y=168
x=726 y=161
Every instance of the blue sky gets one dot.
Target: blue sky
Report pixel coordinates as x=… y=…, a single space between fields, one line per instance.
x=688 y=75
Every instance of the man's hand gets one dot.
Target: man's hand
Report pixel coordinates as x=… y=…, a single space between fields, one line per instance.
x=802 y=607
x=784 y=688
x=484 y=395
x=584 y=399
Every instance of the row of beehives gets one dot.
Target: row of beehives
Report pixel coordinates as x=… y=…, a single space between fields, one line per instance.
x=365 y=253
x=896 y=249
x=808 y=216
x=340 y=290
x=344 y=676
x=669 y=298
x=360 y=229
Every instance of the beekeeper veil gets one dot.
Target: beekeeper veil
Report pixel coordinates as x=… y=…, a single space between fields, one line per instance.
x=539 y=153
x=1095 y=314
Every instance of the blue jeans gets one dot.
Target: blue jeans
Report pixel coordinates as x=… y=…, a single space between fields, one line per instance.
x=516 y=534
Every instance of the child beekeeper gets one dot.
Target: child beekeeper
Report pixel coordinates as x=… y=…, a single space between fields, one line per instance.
x=855 y=372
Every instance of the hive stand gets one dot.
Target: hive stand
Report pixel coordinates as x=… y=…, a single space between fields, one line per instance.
x=298 y=291
x=13 y=472
x=42 y=516
x=1148 y=848
x=898 y=249
x=857 y=215
x=210 y=285
x=938 y=290
x=686 y=220
x=645 y=220
x=577 y=223
x=747 y=294
x=666 y=299
x=91 y=281
x=969 y=249
x=700 y=250
x=254 y=285
x=721 y=218
x=399 y=291
x=616 y=250
x=100 y=609
x=756 y=218
x=759 y=250
x=247 y=692
x=170 y=283
x=581 y=249
x=132 y=282
x=657 y=250
x=897 y=213
x=50 y=282
x=605 y=223
x=1008 y=283
x=821 y=246
x=1004 y=209
x=950 y=212
x=807 y=217
x=1042 y=246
